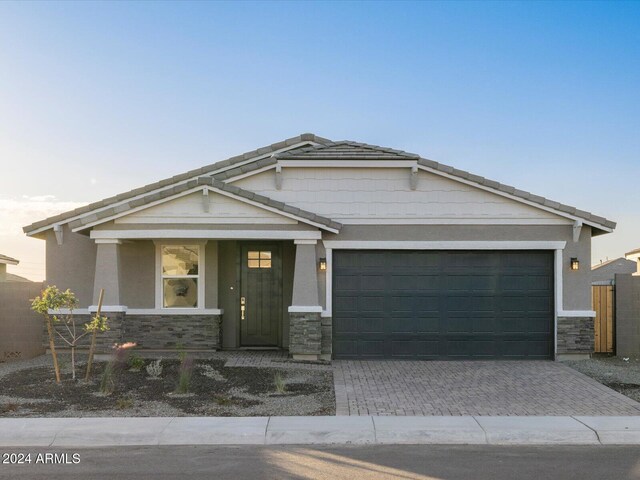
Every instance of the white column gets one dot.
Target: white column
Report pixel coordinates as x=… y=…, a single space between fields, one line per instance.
x=107 y=274
x=305 y=278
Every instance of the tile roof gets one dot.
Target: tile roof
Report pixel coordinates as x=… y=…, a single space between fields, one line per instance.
x=8 y=260
x=305 y=137
x=326 y=150
x=346 y=150
x=217 y=184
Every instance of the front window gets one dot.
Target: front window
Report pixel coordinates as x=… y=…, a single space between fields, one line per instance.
x=180 y=275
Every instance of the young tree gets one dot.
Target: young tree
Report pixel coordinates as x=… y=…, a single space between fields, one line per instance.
x=52 y=299
x=63 y=304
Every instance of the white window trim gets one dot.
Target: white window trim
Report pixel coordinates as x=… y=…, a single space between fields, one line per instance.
x=201 y=276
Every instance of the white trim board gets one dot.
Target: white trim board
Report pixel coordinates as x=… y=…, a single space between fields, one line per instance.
x=175 y=311
x=304 y=309
x=443 y=245
x=576 y=313
x=209 y=234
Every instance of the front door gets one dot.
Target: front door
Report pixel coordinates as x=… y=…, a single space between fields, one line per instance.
x=260 y=294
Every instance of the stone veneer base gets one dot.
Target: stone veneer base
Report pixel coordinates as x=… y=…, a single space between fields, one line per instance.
x=575 y=335
x=305 y=335
x=152 y=332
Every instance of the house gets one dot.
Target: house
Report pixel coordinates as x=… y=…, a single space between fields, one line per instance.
x=634 y=256
x=605 y=272
x=6 y=276
x=333 y=250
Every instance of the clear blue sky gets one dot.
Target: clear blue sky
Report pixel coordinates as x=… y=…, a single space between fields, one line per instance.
x=99 y=98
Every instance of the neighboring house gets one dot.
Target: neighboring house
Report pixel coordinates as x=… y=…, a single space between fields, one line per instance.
x=634 y=256
x=605 y=272
x=333 y=250
x=6 y=276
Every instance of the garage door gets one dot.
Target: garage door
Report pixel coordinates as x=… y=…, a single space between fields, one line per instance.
x=443 y=304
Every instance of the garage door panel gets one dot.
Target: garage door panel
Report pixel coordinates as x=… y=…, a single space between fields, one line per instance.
x=443 y=305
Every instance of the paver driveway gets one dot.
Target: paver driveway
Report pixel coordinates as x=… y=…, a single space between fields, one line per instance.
x=471 y=388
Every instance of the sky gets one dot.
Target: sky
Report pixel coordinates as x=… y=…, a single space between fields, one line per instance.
x=100 y=98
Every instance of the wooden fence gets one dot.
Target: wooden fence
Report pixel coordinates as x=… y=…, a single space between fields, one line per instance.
x=603 y=298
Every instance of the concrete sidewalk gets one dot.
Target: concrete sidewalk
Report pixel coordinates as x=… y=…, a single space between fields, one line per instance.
x=94 y=432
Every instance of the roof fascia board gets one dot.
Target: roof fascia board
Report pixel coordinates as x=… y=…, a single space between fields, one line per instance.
x=206 y=234
x=200 y=188
x=515 y=198
x=401 y=163
x=167 y=187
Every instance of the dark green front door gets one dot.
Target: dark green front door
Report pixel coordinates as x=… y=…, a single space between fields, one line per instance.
x=260 y=294
x=443 y=304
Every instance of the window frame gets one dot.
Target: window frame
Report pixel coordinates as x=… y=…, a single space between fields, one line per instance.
x=200 y=277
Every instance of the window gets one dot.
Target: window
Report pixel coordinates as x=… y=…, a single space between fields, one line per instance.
x=180 y=276
x=259 y=259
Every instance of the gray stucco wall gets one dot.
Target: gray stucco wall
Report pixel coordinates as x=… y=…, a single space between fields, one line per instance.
x=228 y=291
x=211 y=274
x=627 y=315
x=576 y=286
x=72 y=264
x=137 y=261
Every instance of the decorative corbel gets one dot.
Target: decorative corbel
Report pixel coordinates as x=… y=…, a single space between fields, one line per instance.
x=205 y=200
x=278 y=177
x=57 y=229
x=577 y=228
x=413 y=179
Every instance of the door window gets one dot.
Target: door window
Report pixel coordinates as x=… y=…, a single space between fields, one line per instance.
x=259 y=259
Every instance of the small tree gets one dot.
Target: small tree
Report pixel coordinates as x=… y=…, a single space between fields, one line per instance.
x=51 y=299
x=63 y=304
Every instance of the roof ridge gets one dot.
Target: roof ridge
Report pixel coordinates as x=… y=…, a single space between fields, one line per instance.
x=374 y=148
x=61 y=217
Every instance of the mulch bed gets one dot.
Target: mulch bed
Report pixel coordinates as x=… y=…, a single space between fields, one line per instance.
x=621 y=375
x=234 y=391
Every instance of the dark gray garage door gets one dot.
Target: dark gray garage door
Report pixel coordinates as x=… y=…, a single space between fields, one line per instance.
x=443 y=304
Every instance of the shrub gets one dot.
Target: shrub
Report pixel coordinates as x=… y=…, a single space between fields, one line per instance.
x=117 y=363
x=124 y=403
x=278 y=380
x=154 y=369
x=184 y=375
x=136 y=362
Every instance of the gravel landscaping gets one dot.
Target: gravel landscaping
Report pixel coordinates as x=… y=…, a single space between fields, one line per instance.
x=215 y=389
x=619 y=374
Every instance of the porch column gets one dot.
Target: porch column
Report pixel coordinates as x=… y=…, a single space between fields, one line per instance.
x=107 y=274
x=305 y=334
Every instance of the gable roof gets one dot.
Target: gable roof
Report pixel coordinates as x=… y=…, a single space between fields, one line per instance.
x=8 y=260
x=619 y=261
x=316 y=148
x=346 y=150
x=229 y=162
x=237 y=192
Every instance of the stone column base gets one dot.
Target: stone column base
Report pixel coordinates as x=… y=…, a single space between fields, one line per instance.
x=575 y=336
x=305 y=335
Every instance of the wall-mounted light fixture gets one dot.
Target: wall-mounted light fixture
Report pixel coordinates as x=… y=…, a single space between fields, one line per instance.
x=575 y=264
x=322 y=264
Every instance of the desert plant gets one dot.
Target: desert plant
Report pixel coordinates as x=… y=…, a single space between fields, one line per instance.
x=223 y=400
x=124 y=403
x=278 y=380
x=184 y=375
x=117 y=363
x=154 y=369
x=136 y=362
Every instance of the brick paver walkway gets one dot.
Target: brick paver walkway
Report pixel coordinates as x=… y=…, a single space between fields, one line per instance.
x=471 y=388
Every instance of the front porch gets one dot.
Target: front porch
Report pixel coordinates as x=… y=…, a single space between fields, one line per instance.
x=261 y=291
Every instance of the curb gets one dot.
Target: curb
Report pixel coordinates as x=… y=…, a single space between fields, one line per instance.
x=354 y=430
